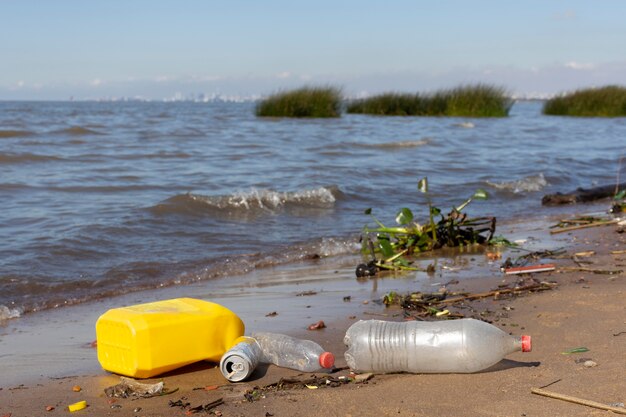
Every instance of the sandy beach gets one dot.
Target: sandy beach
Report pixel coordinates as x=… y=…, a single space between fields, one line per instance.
x=49 y=363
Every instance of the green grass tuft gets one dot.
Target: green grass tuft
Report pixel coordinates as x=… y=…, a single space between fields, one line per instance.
x=303 y=102
x=479 y=100
x=609 y=101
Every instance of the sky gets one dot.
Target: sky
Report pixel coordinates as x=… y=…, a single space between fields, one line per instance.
x=161 y=49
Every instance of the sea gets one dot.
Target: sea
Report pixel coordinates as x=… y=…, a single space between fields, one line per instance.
x=108 y=198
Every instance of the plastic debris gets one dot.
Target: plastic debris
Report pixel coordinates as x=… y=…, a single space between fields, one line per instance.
x=77 y=406
x=130 y=388
x=281 y=350
x=529 y=269
x=581 y=349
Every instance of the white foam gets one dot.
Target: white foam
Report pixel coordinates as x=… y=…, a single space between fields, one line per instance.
x=9 y=313
x=528 y=184
x=272 y=200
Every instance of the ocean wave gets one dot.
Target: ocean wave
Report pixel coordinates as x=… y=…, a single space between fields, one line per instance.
x=528 y=184
x=9 y=313
x=255 y=200
x=5 y=134
x=26 y=157
x=103 y=188
x=31 y=294
x=397 y=145
x=244 y=263
x=78 y=131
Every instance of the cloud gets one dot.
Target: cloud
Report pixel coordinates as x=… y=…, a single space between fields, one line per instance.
x=579 y=65
x=544 y=80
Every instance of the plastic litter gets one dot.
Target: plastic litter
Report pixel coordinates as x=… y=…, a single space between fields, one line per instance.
x=281 y=350
x=455 y=346
x=145 y=340
x=77 y=406
x=131 y=388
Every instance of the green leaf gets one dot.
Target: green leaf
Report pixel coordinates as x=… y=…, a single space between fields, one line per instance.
x=402 y=262
x=480 y=194
x=620 y=195
x=422 y=185
x=385 y=248
x=435 y=211
x=581 y=349
x=368 y=211
x=404 y=216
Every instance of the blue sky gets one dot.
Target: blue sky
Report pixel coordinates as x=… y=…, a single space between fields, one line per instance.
x=56 y=49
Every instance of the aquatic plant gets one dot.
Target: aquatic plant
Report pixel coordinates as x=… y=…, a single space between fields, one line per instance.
x=609 y=101
x=479 y=100
x=394 y=243
x=302 y=102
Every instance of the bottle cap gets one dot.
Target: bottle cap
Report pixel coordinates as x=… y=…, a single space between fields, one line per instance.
x=327 y=360
x=526 y=344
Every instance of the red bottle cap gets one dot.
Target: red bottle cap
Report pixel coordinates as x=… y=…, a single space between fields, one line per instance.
x=526 y=344
x=327 y=360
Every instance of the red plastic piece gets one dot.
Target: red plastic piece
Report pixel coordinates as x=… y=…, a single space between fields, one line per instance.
x=327 y=360
x=526 y=344
x=530 y=269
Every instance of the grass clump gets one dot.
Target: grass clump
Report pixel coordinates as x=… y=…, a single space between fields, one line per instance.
x=479 y=100
x=609 y=101
x=302 y=102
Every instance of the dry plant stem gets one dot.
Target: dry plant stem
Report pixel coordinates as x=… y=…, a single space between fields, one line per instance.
x=594 y=271
x=542 y=286
x=575 y=400
x=582 y=226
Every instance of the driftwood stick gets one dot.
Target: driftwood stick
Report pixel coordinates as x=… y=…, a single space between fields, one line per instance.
x=580 y=401
x=582 y=226
x=594 y=271
x=494 y=292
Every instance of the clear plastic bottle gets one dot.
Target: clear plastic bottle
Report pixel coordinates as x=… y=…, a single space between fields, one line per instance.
x=278 y=349
x=454 y=346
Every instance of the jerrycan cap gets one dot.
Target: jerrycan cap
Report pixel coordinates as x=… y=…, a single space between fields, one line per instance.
x=327 y=360
x=526 y=344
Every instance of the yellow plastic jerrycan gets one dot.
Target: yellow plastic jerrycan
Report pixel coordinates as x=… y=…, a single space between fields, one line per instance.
x=145 y=340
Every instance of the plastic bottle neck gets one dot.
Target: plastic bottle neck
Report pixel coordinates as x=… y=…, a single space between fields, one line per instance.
x=522 y=343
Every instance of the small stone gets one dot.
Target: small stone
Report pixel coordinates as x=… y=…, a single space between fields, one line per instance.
x=363 y=377
x=589 y=364
x=317 y=326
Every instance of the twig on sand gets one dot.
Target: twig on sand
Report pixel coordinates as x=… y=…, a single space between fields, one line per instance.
x=533 y=287
x=583 y=226
x=551 y=383
x=594 y=271
x=580 y=401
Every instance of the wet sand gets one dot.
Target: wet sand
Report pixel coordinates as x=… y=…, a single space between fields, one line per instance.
x=44 y=355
